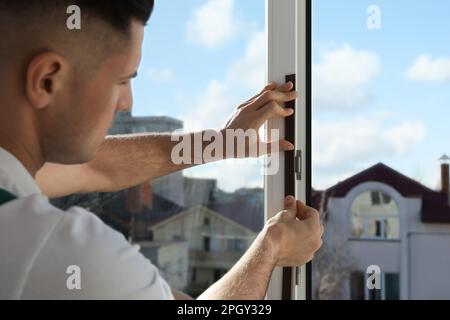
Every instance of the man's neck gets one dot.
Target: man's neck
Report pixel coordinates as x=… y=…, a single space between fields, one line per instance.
x=29 y=157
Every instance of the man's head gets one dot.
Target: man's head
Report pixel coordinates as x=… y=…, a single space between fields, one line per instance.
x=65 y=85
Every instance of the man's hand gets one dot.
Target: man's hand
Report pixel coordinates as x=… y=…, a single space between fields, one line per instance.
x=253 y=113
x=289 y=239
x=294 y=234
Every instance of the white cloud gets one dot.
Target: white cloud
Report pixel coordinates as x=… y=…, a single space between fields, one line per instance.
x=341 y=76
x=360 y=139
x=245 y=78
x=163 y=75
x=250 y=70
x=211 y=109
x=352 y=145
x=426 y=69
x=213 y=24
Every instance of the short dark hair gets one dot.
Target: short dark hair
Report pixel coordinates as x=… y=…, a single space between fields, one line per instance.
x=116 y=13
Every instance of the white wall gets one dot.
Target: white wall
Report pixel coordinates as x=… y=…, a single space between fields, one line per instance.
x=430 y=265
x=421 y=256
x=172 y=260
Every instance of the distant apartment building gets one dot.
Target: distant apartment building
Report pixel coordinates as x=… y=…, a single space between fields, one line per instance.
x=381 y=217
x=125 y=123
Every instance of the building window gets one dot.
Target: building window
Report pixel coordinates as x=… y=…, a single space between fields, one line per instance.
x=374 y=294
x=390 y=287
x=206 y=222
x=194 y=274
x=207 y=244
x=375 y=215
x=218 y=273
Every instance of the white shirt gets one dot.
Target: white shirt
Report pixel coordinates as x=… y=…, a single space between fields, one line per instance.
x=39 y=243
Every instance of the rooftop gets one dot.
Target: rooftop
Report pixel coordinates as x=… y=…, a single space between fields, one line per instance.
x=435 y=204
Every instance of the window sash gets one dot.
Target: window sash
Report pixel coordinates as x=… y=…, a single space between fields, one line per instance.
x=288 y=25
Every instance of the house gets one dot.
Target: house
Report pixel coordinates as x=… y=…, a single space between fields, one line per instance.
x=381 y=217
x=171 y=258
x=216 y=239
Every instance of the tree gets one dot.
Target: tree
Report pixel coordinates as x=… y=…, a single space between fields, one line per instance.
x=333 y=264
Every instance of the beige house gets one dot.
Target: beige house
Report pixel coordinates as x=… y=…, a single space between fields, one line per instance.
x=214 y=244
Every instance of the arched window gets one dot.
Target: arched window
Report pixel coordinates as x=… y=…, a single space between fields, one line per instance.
x=375 y=215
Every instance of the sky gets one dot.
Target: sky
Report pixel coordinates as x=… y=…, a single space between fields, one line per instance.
x=379 y=95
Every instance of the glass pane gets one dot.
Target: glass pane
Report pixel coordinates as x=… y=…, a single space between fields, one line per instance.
x=201 y=60
x=375 y=215
x=381 y=93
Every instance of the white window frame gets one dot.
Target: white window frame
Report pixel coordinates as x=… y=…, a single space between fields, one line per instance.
x=366 y=227
x=288 y=29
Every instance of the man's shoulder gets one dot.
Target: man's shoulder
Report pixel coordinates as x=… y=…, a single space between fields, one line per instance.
x=110 y=266
x=85 y=229
x=49 y=229
x=38 y=207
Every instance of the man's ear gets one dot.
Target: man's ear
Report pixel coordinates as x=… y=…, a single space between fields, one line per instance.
x=45 y=76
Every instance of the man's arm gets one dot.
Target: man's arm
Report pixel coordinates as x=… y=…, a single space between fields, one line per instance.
x=178 y=295
x=129 y=160
x=249 y=278
x=289 y=239
x=121 y=162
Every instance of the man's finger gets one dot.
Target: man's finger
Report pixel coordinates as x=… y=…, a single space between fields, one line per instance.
x=285 y=87
x=272 y=96
x=270 y=86
x=308 y=215
x=272 y=110
x=272 y=147
x=290 y=206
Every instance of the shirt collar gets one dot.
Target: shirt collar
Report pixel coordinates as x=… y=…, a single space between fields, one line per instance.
x=14 y=177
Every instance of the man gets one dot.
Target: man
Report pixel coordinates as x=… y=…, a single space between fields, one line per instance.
x=60 y=89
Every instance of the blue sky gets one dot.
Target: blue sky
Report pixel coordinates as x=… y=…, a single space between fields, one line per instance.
x=166 y=45
x=408 y=30
x=198 y=55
